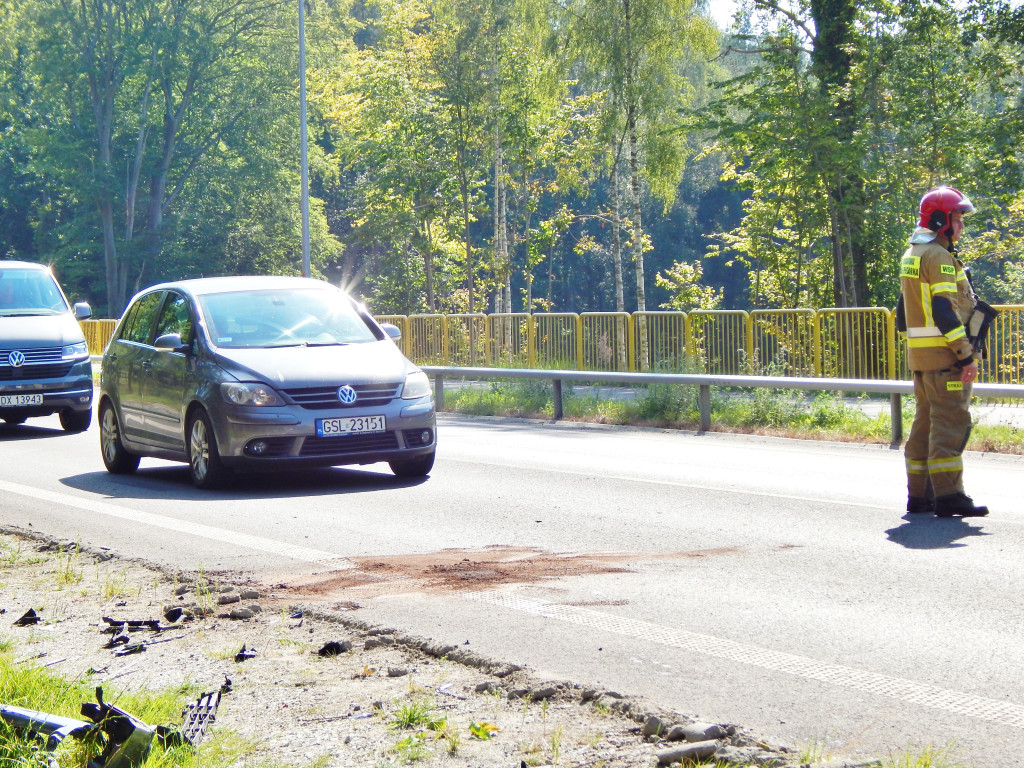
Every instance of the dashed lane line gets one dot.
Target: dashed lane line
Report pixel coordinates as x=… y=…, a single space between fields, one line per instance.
x=1004 y=712
x=258 y=543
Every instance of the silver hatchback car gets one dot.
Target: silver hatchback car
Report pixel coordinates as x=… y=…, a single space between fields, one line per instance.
x=254 y=373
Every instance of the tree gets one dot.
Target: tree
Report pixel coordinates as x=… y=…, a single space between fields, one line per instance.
x=458 y=57
x=395 y=189
x=634 y=50
x=849 y=116
x=139 y=96
x=683 y=282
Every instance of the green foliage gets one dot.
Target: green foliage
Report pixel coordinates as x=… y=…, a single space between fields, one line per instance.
x=823 y=415
x=928 y=93
x=668 y=402
x=929 y=757
x=683 y=282
x=37 y=688
x=513 y=155
x=417 y=713
x=516 y=397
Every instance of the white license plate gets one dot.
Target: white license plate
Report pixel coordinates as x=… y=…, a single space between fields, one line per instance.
x=13 y=400
x=349 y=425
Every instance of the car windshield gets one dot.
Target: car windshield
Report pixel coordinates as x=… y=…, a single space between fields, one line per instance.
x=29 y=292
x=282 y=318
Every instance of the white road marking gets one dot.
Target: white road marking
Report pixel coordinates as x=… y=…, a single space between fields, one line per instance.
x=679 y=484
x=910 y=691
x=258 y=543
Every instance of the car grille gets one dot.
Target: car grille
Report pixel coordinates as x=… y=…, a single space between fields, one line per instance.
x=40 y=363
x=337 y=446
x=322 y=398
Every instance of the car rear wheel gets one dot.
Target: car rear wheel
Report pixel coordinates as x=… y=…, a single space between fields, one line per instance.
x=418 y=466
x=75 y=421
x=115 y=456
x=204 y=462
x=14 y=420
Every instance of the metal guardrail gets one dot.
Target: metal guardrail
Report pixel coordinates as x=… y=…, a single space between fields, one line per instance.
x=895 y=389
x=856 y=343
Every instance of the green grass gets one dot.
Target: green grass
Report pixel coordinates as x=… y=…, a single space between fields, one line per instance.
x=783 y=413
x=928 y=757
x=37 y=688
x=417 y=713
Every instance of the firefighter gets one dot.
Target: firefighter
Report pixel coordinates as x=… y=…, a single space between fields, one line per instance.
x=936 y=303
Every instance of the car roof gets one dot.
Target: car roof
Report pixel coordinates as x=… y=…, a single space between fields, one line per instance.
x=207 y=285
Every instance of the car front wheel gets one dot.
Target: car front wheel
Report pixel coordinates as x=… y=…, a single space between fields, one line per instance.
x=115 y=456
x=204 y=462
x=75 y=421
x=418 y=466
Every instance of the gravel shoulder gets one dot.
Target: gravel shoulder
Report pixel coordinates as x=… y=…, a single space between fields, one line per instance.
x=316 y=687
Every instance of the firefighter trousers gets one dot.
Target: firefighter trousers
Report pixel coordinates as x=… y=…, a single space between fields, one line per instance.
x=942 y=424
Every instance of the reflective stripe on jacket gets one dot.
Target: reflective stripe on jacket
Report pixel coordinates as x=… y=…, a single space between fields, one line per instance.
x=929 y=271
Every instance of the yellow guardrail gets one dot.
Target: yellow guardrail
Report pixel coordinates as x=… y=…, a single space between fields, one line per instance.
x=859 y=343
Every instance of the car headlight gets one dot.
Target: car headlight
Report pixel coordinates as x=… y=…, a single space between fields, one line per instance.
x=78 y=351
x=249 y=393
x=416 y=385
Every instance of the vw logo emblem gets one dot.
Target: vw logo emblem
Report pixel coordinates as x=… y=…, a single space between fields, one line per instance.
x=16 y=359
x=347 y=395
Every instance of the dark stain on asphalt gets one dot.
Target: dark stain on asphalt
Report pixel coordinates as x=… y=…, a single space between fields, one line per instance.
x=469 y=569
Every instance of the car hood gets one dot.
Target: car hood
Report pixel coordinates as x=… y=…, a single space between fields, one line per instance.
x=37 y=331
x=369 y=363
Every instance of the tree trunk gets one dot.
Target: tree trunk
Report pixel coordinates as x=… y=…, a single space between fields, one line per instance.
x=832 y=64
x=501 y=258
x=428 y=265
x=620 y=297
x=638 y=241
x=620 y=291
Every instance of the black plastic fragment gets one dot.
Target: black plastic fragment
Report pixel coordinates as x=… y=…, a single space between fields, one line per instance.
x=174 y=614
x=334 y=648
x=128 y=650
x=30 y=618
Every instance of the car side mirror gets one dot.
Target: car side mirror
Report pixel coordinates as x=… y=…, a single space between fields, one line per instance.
x=170 y=342
x=83 y=311
x=393 y=331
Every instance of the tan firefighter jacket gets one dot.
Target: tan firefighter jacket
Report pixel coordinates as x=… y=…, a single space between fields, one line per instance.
x=929 y=271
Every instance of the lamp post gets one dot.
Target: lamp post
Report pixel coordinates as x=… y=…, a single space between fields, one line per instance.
x=304 y=161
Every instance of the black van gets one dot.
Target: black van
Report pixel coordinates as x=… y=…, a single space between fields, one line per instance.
x=44 y=360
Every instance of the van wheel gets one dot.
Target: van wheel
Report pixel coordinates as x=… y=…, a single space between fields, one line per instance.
x=418 y=466
x=75 y=421
x=115 y=456
x=204 y=462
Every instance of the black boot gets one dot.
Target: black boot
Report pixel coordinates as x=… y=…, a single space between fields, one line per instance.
x=958 y=505
x=917 y=504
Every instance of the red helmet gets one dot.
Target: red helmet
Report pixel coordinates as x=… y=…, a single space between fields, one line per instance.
x=938 y=203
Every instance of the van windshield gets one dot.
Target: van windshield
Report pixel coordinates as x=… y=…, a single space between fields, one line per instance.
x=29 y=292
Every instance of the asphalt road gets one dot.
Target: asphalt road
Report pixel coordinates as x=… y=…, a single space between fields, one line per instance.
x=773 y=584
